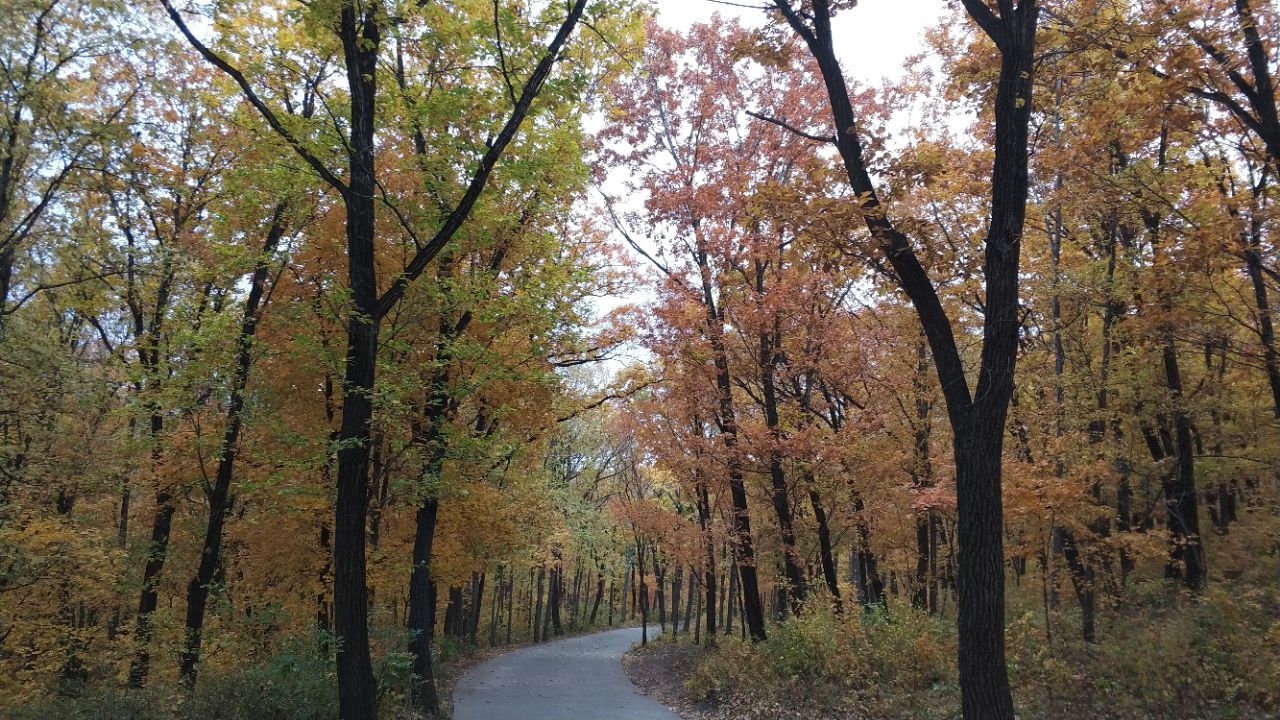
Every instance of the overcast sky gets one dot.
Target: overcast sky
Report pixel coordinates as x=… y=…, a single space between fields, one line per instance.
x=872 y=39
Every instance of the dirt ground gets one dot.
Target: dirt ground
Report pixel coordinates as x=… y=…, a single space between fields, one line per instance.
x=660 y=669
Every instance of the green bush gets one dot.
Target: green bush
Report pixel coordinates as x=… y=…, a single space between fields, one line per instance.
x=296 y=682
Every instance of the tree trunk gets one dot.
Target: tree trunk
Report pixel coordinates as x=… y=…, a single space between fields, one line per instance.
x=495 y=607
x=219 y=494
x=428 y=434
x=731 y=600
x=708 y=542
x=1182 y=506
x=595 y=606
x=1266 y=327
x=676 y=582
x=697 y=620
x=643 y=592
x=611 y=588
x=659 y=582
x=422 y=610
x=511 y=590
x=557 y=598
x=357 y=690
x=977 y=419
x=768 y=361
x=157 y=551
x=741 y=541
x=825 y=552
x=688 y=604
x=537 y=612
x=626 y=591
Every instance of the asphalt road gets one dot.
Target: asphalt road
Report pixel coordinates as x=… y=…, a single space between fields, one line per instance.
x=574 y=679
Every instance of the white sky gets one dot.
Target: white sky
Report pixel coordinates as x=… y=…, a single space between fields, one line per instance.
x=872 y=39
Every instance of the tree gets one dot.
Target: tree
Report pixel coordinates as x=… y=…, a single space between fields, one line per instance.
x=51 y=122
x=978 y=417
x=706 y=183
x=360 y=30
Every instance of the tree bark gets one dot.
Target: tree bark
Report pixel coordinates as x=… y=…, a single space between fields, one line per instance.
x=537 y=612
x=219 y=493
x=1266 y=326
x=595 y=606
x=768 y=361
x=1182 y=504
x=977 y=419
x=741 y=543
x=826 y=554
x=157 y=552
x=708 y=542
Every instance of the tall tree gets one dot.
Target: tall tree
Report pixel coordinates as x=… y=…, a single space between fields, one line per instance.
x=977 y=417
x=360 y=28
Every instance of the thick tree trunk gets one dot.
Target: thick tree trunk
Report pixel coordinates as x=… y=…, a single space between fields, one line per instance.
x=357 y=690
x=422 y=610
x=977 y=419
x=984 y=680
x=551 y=598
x=555 y=599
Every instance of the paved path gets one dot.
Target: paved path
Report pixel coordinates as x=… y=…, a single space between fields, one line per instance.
x=575 y=679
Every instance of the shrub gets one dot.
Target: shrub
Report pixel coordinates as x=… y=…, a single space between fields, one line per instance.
x=829 y=665
x=294 y=683
x=1160 y=653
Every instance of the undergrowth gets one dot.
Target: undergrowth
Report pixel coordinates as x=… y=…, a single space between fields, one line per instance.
x=1160 y=653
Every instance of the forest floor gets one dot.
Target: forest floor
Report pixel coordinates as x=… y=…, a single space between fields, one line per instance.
x=579 y=677
x=660 y=669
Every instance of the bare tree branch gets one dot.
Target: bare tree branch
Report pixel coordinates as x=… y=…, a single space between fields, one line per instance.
x=797 y=131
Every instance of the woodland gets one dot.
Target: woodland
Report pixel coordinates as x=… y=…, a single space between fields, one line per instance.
x=342 y=339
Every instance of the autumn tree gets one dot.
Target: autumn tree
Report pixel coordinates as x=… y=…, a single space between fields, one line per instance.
x=977 y=417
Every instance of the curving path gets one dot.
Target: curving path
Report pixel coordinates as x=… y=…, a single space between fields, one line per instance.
x=573 y=679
